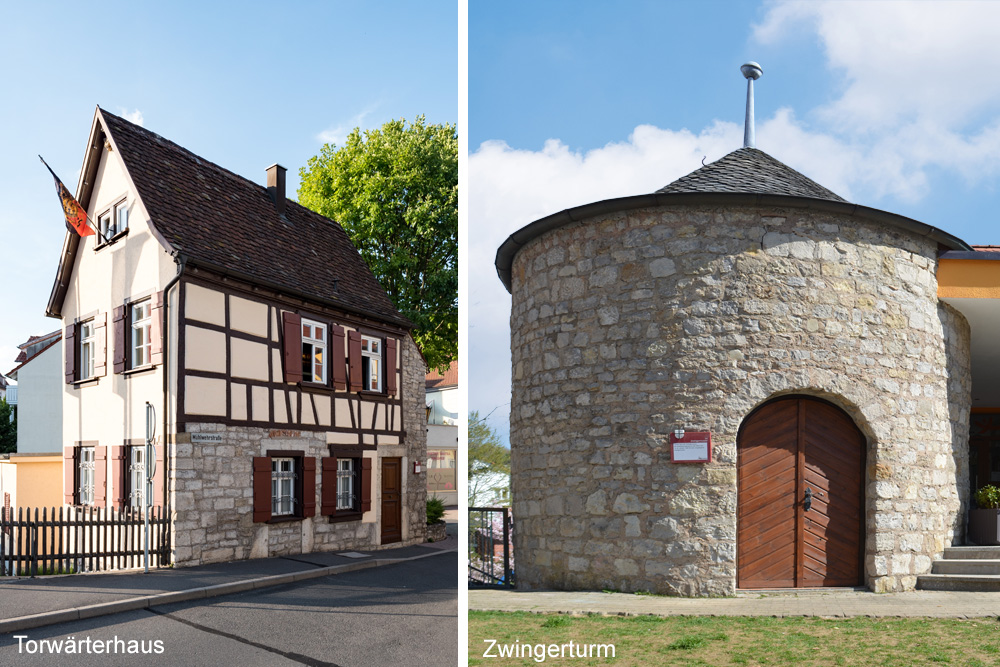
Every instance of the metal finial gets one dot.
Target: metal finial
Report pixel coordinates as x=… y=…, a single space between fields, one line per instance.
x=751 y=71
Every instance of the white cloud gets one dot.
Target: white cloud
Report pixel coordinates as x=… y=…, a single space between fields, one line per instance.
x=134 y=116
x=338 y=133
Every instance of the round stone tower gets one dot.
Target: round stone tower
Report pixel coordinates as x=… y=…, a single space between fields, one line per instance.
x=744 y=301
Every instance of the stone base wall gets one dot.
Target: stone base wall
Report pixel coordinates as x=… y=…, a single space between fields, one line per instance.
x=211 y=489
x=629 y=325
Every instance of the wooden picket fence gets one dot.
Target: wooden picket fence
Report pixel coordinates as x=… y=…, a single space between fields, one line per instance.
x=68 y=540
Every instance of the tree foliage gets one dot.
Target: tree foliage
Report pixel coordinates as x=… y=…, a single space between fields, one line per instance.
x=395 y=191
x=8 y=428
x=489 y=462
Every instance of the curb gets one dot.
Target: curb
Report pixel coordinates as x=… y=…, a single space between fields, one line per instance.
x=146 y=601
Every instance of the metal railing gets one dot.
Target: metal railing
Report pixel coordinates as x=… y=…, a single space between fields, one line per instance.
x=491 y=556
x=80 y=539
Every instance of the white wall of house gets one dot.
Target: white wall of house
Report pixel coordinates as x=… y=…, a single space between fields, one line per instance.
x=112 y=409
x=40 y=409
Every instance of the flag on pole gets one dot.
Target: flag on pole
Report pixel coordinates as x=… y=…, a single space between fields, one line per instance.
x=76 y=217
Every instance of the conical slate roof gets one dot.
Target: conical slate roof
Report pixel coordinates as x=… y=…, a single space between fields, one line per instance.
x=749 y=171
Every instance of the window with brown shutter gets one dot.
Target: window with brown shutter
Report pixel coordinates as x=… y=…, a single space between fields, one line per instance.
x=344 y=492
x=69 y=475
x=292 y=334
x=354 y=359
x=390 y=366
x=121 y=342
x=101 y=345
x=261 y=489
x=100 y=475
x=156 y=329
x=69 y=347
x=119 y=469
x=338 y=356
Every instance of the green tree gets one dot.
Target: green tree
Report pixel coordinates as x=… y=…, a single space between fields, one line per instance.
x=489 y=463
x=395 y=191
x=8 y=427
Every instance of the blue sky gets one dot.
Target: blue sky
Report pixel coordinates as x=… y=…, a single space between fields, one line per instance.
x=894 y=105
x=243 y=84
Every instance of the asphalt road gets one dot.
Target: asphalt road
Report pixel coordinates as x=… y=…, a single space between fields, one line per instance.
x=403 y=614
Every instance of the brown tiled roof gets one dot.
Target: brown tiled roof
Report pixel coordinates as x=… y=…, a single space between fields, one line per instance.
x=436 y=380
x=749 y=170
x=215 y=217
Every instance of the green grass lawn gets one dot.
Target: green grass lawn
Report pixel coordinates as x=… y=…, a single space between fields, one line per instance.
x=744 y=641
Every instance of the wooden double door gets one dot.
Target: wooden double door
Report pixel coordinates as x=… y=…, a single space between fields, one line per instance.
x=800 y=509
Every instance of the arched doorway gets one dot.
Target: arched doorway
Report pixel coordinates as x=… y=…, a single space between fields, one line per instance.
x=800 y=511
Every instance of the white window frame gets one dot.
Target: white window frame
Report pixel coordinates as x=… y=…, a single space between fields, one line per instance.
x=121 y=211
x=87 y=349
x=371 y=355
x=140 y=325
x=106 y=226
x=284 y=472
x=314 y=351
x=137 y=476
x=347 y=484
x=86 y=461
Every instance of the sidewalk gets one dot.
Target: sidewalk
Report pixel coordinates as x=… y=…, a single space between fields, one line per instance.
x=830 y=603
x=31 y=603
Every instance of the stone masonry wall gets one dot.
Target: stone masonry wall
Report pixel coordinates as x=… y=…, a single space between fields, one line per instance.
x=632 y=323
x=212 y=491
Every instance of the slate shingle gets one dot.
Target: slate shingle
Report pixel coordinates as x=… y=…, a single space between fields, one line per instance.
x=214 y=215
x=749 y=170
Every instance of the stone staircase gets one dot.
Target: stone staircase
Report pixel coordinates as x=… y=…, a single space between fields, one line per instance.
x=964 y=569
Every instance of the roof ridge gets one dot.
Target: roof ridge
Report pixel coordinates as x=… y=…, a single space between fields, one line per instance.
x=160 y=138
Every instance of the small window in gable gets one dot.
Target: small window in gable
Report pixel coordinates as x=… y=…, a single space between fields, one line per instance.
x=371 y=366
x=106 y=227
x=313 y=351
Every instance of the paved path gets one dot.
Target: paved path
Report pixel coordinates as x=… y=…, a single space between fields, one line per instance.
x=31 y=603
x=828 y=603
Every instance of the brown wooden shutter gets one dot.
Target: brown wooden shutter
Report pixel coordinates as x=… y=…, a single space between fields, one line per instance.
x=156 y=329
x=308 y=486
x=101 y=342
x=354 y=359
x=69 y=346
x=338 y=351
x=261 y=489
x=292 y=327
x=69 y=475
x=158 y=475
x=100 y=475
x=366 y=484
x=390 y=365
x=121 y=353
x=328 y=494
x=119 y=473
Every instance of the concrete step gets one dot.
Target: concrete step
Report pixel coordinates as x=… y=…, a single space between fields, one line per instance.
x=959 y=582
x=970 y=566
x=965 y=553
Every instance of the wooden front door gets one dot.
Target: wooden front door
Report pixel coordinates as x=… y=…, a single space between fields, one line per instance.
x=392 y=500
x=800 y=511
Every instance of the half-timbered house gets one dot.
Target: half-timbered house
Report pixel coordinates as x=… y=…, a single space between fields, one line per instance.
x=288 y=392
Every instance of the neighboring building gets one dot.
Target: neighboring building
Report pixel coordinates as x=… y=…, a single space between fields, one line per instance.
x=3 y=387
x=40 y=382
x=833 y=352
x=442 y=434
x=31 y=481
x=287 y=388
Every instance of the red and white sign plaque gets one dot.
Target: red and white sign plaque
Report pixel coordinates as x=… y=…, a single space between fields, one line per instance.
x=692 y=447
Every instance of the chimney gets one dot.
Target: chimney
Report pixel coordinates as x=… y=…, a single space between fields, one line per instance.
x=276 y=187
